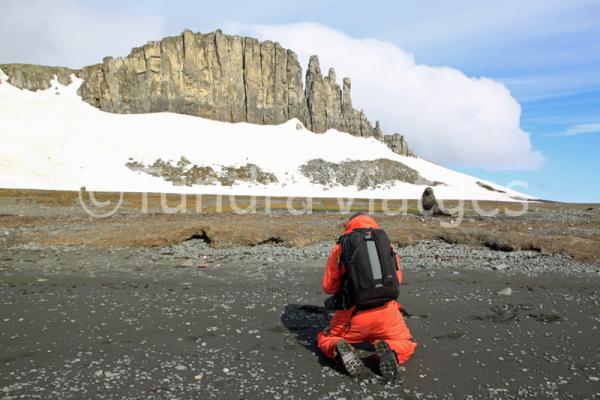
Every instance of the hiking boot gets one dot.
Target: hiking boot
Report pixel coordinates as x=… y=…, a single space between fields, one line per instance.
x=348 y=358
x=388 y=363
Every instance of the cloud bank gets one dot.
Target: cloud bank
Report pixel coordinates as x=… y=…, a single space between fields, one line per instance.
x=447 y=117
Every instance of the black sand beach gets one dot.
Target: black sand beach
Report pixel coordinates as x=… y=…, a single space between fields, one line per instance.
x=189 y=321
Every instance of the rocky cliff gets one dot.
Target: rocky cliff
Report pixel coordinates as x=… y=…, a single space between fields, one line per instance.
x=220 y=77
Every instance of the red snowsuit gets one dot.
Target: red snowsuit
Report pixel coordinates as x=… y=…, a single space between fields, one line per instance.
x=380 y=323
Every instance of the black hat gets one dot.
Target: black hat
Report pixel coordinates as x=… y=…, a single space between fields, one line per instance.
x=358 y=214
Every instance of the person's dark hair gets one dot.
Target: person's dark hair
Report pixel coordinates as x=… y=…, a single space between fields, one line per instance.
x=357 y=214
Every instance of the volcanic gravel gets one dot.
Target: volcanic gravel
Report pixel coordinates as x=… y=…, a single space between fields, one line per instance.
x=190 y=321
x=432 y=255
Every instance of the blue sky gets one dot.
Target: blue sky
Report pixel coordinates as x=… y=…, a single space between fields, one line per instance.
x=546 y=53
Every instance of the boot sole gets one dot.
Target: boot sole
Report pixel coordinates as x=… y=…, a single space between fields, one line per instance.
x=388 y=363
x=352 y=364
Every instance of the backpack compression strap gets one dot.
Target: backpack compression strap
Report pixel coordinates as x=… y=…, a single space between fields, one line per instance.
x=374 y=259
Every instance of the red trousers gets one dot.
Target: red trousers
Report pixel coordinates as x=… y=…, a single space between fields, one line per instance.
x=381 y=323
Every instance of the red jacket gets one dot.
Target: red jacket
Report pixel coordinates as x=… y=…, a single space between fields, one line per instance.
x=332 y=278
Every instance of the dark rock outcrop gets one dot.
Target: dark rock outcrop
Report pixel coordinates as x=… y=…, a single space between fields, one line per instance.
x=488 y=187
x=221 y=77
x=184 y=173
x=364 y=174
x=397 y=144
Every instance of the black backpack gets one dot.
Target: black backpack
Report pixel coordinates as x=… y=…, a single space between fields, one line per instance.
x=371 y=278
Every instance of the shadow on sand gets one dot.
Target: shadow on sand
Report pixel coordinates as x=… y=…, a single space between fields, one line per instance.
x=306 y=321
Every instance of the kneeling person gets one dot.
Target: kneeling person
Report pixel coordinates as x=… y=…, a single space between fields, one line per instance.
x=363 y=274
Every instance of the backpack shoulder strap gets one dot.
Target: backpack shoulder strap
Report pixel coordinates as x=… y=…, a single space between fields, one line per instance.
x=340 y=241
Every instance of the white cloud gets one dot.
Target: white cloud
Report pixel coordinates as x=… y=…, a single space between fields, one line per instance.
x=579 y=130
x=447 y=117
x=68 y=33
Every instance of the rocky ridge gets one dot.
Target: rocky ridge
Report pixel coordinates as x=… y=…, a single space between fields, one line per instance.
x=216 y=76
x=36 y=77
x=184 y=173
x=364 y=174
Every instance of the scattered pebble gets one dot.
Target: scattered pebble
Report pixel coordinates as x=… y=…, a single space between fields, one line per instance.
x=505 y=292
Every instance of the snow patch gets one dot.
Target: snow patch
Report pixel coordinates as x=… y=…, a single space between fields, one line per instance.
x=52 y=139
